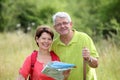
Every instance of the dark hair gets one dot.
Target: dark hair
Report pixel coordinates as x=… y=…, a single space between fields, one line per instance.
x=43 y=28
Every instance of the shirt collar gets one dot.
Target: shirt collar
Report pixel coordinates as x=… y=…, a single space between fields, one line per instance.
x=74 y=39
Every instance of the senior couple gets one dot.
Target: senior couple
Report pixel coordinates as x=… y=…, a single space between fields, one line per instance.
x=70 y=46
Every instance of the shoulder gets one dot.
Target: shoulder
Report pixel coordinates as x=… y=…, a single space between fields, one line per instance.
x=24 y=70
x=56 y=41
x=34 y=53
x=31 y=56
x=81 y=35
x=28 y=59
x=54 y=56
x=52 y=53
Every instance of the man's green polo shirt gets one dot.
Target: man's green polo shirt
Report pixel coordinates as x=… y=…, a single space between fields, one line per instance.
x=72 y=53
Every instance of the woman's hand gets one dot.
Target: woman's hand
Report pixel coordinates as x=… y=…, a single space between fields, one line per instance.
x=66 y=74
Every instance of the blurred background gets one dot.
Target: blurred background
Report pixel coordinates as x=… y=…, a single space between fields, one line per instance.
x=100 y=19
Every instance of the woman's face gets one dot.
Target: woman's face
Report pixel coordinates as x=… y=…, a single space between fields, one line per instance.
x=44 y=41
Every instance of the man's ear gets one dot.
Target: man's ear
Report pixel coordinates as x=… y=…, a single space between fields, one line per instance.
x=71 y=23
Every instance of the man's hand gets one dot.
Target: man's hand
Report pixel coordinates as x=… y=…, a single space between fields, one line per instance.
x=86 y=54
x=93 y=62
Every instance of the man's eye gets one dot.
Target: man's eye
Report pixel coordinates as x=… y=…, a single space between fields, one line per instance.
x=58 y=24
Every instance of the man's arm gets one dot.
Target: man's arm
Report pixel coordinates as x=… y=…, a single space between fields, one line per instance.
x=93 y=62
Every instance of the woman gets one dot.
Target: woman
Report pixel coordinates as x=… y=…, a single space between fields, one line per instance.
x=44 y=38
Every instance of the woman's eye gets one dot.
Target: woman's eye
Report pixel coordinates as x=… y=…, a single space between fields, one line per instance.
x=43 y=38
x=49 y=39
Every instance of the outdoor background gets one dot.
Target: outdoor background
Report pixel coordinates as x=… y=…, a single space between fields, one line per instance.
x=100 y=19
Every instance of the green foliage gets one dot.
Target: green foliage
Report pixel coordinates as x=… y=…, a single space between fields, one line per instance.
x=109 y=17
x=45 y=14
x=116 y=37
x=27 y=15
x=109 y=10
x=92 y=17
x=7 y=15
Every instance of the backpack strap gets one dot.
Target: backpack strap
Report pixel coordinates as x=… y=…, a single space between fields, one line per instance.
x=54 y=56
x=33 y=60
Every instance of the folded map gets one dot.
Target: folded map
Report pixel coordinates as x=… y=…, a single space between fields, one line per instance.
x=55 y=69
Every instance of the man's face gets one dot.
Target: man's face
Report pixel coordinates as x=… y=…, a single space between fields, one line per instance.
x=62 y=26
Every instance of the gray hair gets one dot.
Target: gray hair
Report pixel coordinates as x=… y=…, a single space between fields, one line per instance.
x=61 y=15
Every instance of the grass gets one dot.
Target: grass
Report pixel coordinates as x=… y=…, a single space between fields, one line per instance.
x=13 y=50
x=14 y=47
x=109 y=61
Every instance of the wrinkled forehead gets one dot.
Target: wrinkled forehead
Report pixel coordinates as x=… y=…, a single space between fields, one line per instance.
x=61 y=19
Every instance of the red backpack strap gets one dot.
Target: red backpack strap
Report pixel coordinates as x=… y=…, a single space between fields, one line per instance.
x=33 y=60
x=54 y=56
